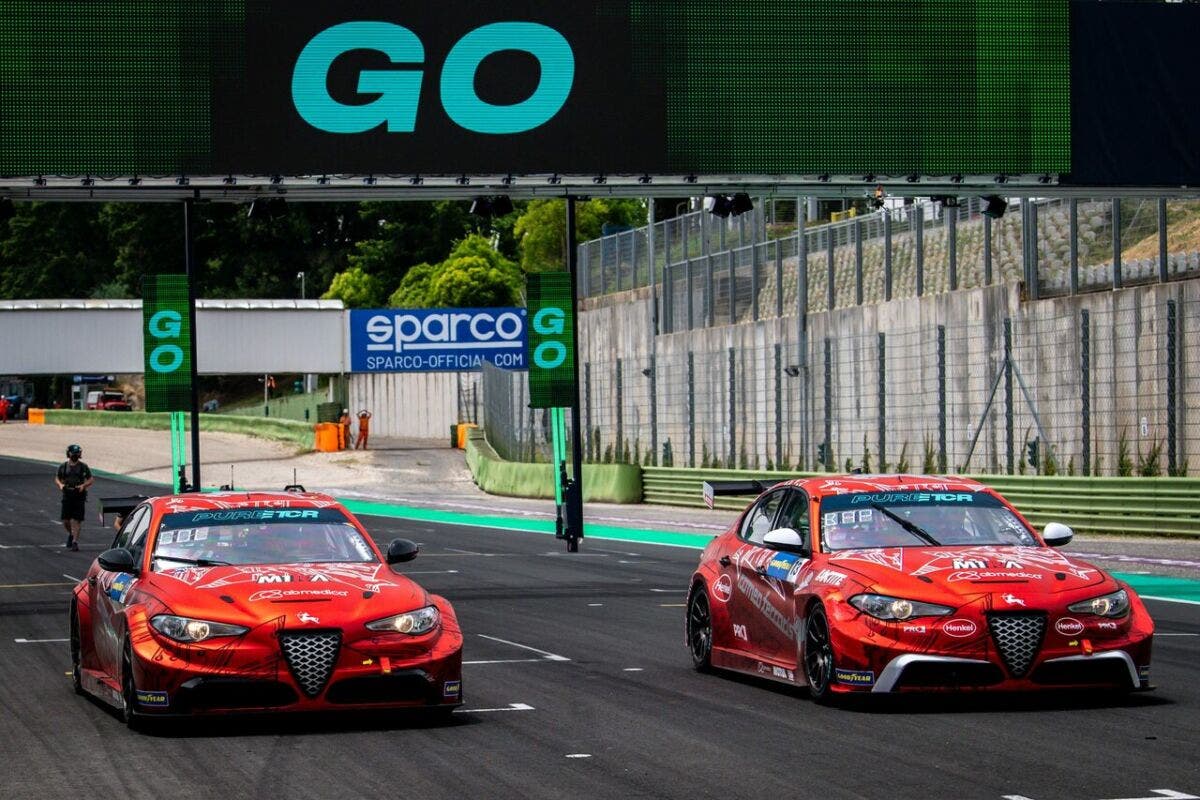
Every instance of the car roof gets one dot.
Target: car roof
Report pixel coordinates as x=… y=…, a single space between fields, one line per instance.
x=206 y=501
x=826 y=485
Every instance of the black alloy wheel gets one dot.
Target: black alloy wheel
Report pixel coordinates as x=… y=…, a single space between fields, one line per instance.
x=818 y=656
x=76 y=666
x=699 y=629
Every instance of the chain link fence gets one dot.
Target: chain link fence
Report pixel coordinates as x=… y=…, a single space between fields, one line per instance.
x=1077 y=391
x=714 y=271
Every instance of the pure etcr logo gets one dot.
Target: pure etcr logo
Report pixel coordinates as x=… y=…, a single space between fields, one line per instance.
x=399 y=90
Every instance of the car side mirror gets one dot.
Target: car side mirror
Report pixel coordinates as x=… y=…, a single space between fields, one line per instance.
x=1056 y=534
x=401 y=550
x=118 y=559
x=786 y=539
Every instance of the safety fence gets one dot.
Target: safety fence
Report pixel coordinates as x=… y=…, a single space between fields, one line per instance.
x=709 y=270
x=1158 y=506
x=1053 y=390
x=514 y=430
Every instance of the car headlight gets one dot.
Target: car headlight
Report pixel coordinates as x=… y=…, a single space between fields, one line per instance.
x=893 y=608
x=183 y=629
x=1107 y=605
x=414 y=623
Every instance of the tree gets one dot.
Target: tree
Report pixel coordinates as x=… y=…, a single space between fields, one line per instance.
x=472 y=281
x=53 y=250
x=542 y=229
x=355 y=288
x=413 y=291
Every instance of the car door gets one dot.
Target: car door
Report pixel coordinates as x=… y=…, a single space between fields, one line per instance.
x=109 y=591
x=760 y=624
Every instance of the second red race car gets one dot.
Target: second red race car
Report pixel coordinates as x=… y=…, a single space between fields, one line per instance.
x=879 y=584
x=259 y=601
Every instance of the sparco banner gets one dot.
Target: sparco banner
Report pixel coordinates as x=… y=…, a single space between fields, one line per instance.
x=436 y=339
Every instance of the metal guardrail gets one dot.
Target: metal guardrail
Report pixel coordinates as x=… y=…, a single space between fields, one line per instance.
x=1151 y=506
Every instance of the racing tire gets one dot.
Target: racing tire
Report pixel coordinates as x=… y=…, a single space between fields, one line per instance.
x=699 y=629
x=819 y=657
x=76 y=665
x=135 y=721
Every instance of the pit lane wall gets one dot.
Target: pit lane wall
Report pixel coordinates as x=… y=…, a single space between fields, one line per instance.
x=603 y=483
x=1150 y=506
x=292 y=432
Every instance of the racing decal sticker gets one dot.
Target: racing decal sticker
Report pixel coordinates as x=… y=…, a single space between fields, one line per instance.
x=1012 y=600
x=451 y=688
x=918 y=629
x=760 y=601
x=999 y=561
x=781 y=565
x=959 y=628
x=855 y=677
x=118 y=590
x=830 y=577
x=739 y=632
x=307 y=618
x=284 y=594
x=272 y=577
x=1069 y=626
x=1107 y=625
x=152 y=699
x=722 y=589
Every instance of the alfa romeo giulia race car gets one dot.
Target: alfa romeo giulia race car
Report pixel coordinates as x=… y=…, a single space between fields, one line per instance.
x=860 y=584
x=258 y=602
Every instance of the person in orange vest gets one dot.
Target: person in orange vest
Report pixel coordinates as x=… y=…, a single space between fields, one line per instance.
x=3 y=409
x=344 y=423
x=364 y=429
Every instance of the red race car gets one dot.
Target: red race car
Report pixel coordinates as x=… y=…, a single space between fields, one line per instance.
x=257 y=602
x=890 y=583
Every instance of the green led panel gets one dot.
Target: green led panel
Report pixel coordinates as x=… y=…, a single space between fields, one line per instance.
x=166 y=343
x=551 y=340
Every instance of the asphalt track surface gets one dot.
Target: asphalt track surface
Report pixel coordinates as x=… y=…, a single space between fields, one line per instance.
x=577 y=684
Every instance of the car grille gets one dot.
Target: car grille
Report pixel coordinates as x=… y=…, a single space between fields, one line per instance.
x=311 y=657
x=1018 y=637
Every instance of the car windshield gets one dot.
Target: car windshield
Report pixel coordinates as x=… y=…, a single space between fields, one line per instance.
x=258 y=536
x=918 y=519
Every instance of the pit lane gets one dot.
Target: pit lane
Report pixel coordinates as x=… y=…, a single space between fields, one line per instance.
x=577 y=685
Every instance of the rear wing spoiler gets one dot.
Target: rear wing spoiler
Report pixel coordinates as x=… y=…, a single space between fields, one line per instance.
x=121 y=506
x=714 y=489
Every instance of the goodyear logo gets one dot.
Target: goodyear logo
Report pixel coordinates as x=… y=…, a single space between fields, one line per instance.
x=780 y=566
x=151 y=698
x=855 y=677
x=452 y=688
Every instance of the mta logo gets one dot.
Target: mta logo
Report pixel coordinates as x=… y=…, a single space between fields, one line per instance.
x=399 y=89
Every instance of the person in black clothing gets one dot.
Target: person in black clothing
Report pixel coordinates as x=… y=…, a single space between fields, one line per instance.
x=73 y=478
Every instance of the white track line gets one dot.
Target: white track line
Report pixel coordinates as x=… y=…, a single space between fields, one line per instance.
x=547 y=655
x=38 y=641
x=509 y=707
x=507 y=661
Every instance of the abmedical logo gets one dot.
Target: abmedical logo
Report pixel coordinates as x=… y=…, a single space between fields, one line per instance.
x=436 y=339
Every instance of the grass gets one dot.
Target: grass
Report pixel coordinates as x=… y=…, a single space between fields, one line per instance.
x=299 y=434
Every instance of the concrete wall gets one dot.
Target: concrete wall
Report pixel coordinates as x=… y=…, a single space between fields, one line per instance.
x=414 y=405
x=780 y=420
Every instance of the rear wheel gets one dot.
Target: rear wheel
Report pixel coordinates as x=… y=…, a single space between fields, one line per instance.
x=76 y=665
x=818 y=656
x=699 y=629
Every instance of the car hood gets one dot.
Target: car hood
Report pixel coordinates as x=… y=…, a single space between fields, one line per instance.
x=326 y=594
x=969 y=570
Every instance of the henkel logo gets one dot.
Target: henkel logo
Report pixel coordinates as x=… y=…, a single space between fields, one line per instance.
x=1069 y=626
x=723 y=589
x=959 y=628
x=397 y=91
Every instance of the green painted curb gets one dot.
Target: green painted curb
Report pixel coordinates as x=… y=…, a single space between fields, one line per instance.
x=1159 y=587
x=279 y=430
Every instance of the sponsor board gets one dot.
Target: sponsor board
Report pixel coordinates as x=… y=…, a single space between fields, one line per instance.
x=436 y=339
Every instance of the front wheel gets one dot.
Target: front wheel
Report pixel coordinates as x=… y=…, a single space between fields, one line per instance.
x=135 y=721
x=699 y=629
x=76 y=665
x=818 y=656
